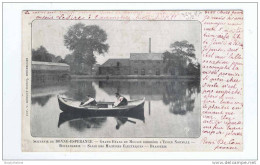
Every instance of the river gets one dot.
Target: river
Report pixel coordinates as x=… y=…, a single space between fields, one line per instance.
x=171 y=109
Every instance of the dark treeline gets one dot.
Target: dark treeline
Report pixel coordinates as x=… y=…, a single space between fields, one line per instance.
x=41 y=54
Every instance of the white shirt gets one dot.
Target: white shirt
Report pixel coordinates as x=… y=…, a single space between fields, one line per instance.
x=89 y=101
x=118 y=101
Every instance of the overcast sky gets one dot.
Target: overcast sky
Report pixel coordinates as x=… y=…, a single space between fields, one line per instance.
x=124 y=37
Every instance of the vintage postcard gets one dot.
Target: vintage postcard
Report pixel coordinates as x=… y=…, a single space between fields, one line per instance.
x=162 y=81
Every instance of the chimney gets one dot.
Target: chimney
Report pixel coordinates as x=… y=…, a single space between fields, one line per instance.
x=150 y=45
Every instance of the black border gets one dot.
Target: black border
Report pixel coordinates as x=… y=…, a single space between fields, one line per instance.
x=155 y=152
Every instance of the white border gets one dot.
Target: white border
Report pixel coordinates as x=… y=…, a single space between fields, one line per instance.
x=12 y=79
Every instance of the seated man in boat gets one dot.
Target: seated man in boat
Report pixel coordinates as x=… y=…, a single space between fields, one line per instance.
x=121 y=100
x=89 y=101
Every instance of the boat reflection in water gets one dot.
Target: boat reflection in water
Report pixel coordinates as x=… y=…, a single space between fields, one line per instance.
x=83 y=120
x=171 y=107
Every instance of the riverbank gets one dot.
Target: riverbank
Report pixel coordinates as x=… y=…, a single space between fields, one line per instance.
x=132 y=77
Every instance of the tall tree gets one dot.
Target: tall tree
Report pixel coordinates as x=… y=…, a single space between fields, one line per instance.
x=69 y=59
x=85 y=41
x=183 y=48
x=181 y=59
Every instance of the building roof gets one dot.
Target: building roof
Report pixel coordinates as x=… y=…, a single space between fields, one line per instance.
x=114 y=62
x=146 y=56
x=50 y=66
x=48 y=63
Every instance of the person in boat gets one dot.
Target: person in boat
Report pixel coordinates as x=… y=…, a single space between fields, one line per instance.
x=89 y=101
x=121 y=100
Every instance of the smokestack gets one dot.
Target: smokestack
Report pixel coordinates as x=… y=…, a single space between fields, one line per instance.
x=150 y=45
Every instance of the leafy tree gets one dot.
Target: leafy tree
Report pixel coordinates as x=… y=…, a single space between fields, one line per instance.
x=85 y=41
x=183 y=48
x=41 y=54
x=69 y=58
x=173 y=62
x=62 y=61
x=181 y=59
x=58 y=59
x=193 y=69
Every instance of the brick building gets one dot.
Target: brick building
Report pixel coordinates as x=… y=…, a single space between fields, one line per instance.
x=115 y=67
x=138 y=64
x=146 y=63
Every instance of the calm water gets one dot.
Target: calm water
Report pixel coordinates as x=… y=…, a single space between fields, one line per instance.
x=171 y=109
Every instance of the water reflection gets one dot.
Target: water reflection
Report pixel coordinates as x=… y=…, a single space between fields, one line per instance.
x=86 y=120
x=41 y=100
x=172 y=107
x=86 y=123
x=179 y=95
x=180 y=100
x=121 y=121
x=78 y=90
x=151 y=90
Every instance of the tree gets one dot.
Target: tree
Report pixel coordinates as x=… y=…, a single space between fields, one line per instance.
x=85 y=41
x=181 y=59
x=183 y=48
x=69 y=58
x=193 y=69
x=41 y=54
x=172 y=62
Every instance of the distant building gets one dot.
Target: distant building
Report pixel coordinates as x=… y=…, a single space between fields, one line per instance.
x=115 y=67
x=138 y=64
x=146 y=63
x=43 y=72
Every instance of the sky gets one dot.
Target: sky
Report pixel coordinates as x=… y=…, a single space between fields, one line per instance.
x=123 y=37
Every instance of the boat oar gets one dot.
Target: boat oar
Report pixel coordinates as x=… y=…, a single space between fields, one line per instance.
x=131 y=121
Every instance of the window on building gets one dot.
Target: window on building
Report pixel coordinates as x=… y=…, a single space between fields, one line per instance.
x=158 y=62
x=135 y=71
x=142 y=62
x=143 y=72
x=158 y=71
x=117 y=64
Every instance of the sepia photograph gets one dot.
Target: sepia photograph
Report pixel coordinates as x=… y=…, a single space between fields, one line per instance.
x=130 y=81
x=115 y=79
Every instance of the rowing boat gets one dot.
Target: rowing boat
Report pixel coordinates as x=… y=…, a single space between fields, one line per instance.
x=102 y=108
x=137 y=114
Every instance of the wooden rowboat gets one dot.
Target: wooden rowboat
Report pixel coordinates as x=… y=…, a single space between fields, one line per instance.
x=137 y=114
x=102 y=108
